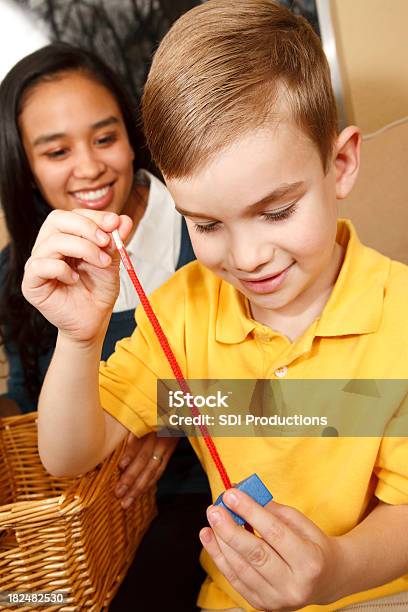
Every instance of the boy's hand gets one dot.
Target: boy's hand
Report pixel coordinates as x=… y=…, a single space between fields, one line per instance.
x=292 y=564
x=72 y=274
x=143 y=463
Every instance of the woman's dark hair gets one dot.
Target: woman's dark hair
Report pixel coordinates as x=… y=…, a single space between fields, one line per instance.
x=24 y=208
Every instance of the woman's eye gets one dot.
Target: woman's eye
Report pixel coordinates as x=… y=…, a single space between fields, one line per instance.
x=104 y=140
x=280 y=214
x=206 y=227
x=56 y=154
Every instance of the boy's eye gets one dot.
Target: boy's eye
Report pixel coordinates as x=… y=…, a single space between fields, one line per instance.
x=203 y=228
x=276 y=215
x=280 y=213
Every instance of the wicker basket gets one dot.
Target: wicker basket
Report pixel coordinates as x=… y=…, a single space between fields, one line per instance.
x=68 y=534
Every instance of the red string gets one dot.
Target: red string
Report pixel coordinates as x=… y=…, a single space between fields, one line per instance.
x=172 y=360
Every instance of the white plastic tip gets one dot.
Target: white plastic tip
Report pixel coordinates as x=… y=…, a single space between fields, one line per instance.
x=117 y=240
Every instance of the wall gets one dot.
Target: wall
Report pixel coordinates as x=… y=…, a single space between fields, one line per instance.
x=372 y=47
x=378 y=204
x=372 y=54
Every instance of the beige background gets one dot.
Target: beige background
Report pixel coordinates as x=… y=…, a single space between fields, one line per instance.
x=372 y=48
x=372 y=52
x=378 y=204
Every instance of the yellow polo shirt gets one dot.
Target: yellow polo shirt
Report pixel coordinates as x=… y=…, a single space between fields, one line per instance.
x=361 y=334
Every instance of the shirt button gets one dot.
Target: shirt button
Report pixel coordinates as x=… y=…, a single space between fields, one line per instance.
x=281 y=372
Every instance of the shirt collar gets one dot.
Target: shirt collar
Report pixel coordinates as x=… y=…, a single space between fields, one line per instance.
x=356 y=302
x=354 y=307
x=234 y=321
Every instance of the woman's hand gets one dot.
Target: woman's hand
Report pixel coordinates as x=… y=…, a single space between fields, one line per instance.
x=72 y=274
x=291 y=565
x=143 y=462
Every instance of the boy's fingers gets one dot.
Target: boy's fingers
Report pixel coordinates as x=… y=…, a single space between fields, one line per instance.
x=60 y=246
x=125 y=226
x=253 y=581
x=297 y=521
x=276 y=535
x=68 y=222
x=93 y=225
x=211 y=545
x=236 y=570
x=47 y=269
x=108 y=221
x=256 y=552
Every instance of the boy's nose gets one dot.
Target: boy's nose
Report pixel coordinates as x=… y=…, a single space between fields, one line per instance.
x=251 y=257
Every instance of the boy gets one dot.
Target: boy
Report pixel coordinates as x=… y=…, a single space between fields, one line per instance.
x=240 y=117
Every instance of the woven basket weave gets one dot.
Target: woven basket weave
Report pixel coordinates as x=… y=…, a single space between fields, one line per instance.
x=68 y=534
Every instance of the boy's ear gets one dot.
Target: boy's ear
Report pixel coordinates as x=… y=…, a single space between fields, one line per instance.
x=346 y=160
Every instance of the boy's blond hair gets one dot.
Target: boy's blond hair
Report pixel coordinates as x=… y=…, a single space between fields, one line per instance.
x=226 y=68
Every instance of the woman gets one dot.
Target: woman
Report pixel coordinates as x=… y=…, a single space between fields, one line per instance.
x=69 y=140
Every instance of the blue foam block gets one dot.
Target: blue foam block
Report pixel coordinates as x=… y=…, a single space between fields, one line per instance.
x=252 y=486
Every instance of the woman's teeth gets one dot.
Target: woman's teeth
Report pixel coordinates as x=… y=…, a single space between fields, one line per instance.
x=92 y=196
